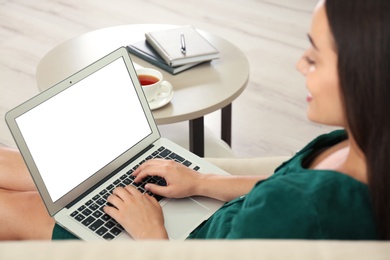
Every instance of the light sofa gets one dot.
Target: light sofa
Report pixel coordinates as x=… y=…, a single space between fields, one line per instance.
x=210 y=249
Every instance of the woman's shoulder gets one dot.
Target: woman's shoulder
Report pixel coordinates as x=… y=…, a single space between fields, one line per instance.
x=310 y=150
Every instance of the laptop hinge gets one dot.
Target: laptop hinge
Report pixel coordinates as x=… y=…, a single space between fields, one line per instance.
x=109 y=176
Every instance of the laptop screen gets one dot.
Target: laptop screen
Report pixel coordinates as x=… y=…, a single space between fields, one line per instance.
x=80 y=130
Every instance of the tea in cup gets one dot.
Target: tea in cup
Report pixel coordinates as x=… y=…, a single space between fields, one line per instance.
x=153 y=84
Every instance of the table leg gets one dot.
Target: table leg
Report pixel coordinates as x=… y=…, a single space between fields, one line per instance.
x=197 y=136
x=226 y=124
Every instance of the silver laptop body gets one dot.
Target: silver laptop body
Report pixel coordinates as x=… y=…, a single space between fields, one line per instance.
x=84 y=136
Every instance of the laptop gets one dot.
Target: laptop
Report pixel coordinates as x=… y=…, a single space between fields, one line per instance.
x=84 y=136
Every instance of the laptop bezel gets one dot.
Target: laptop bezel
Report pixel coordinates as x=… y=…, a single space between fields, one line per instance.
x=12 y=115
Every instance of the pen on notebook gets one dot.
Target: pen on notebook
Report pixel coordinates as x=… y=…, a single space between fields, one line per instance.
x=183 y=43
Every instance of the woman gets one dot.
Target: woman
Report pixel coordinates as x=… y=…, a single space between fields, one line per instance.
x=334 y=188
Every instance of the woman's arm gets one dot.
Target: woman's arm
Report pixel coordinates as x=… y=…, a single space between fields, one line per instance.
x=184 y=182
x=225 y=188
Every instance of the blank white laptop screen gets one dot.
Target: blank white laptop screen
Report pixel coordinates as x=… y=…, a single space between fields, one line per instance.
x=84 y=127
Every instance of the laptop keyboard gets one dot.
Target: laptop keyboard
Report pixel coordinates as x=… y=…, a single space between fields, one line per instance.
x=91 y=214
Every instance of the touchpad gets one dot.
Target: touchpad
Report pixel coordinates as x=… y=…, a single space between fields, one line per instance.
x=182 y=215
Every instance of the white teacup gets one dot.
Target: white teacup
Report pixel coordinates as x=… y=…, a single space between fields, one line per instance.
x=153 y=84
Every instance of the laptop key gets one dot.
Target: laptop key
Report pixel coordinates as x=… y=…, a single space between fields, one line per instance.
x=97 y=214
x=176 y=157
x=165 y=153
x=88 y=221
x=136 y=184
x=101 y=231
x=79 y=217
x=108 y=236
x=98 y=223
x=86 y=212
x=94 y=206
x=106 y=217
x=101 y=201
x=115 y=231
x=109 y=224
x=127 y=181
x=187 y=163
x=119 y=226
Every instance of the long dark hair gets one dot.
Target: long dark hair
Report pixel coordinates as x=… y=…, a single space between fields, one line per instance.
x=361 y=32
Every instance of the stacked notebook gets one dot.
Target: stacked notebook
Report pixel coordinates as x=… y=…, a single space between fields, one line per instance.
x=174 y=50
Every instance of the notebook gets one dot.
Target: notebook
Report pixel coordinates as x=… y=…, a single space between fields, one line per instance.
x=84 y=136
x=182 y=45
x=142 y=49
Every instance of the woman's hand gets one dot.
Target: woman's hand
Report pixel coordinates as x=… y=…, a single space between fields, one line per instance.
x=184 y=182
x=140 y=214
x=181 y=180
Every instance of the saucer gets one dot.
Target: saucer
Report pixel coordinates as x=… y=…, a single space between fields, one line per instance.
x=162 y=99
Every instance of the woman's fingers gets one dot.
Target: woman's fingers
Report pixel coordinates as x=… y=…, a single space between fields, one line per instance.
x=150 y=169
